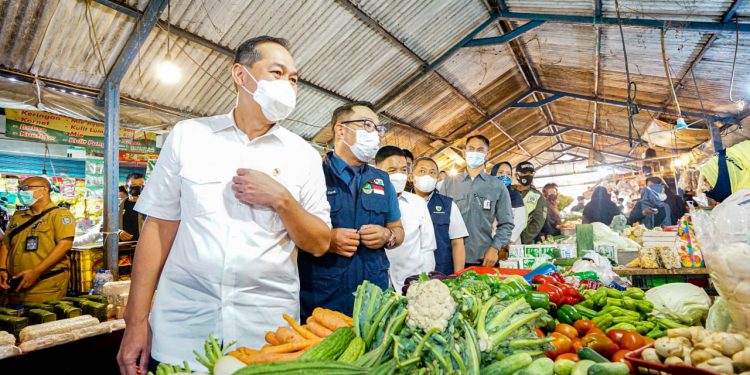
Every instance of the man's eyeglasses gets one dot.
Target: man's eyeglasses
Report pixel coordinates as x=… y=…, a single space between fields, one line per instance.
x=28 y=187
x=369 y=125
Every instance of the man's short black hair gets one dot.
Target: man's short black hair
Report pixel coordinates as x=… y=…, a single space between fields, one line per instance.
x=386 y=152
x=348 y=109
x=408 y=154
x=481 y=138
x=654 y=180
x=428 y=159
x=134 y=176
x=247 y=53
x=550 y=185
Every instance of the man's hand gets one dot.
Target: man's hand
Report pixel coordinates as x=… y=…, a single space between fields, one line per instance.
x=125 y=236
x=28 y=278
x=255 y=187
x=374 y=236
x=4 y=280
x=490 y=257
x=135 y=349
x=344 y=242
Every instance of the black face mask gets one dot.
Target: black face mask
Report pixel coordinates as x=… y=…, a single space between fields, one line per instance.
x=552 y=197
x=135 y=190
x=525 y=180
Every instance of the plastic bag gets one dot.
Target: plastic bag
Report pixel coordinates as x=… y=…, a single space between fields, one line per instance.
x=619 y=223
x=591 y=261
x=602 y=233
x=683 y=302
x=725 y=243
x=718 y=317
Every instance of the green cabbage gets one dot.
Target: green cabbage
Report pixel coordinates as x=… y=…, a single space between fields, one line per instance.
x=683 y=302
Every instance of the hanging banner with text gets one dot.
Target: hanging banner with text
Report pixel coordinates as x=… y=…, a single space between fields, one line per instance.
x=51 y=128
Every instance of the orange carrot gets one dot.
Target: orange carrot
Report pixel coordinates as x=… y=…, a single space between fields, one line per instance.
x=343 y=317
x=291 y=347
x=286 y=335
x=317 y=328
x=271 y=338
x=329 y=320
x=254 y=358
x=305 y=333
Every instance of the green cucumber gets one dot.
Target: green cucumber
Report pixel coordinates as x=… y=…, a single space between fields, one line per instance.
x=591 y=355
x=564 y=367
x=614 y=368
x=509 y=365
x=582 y=367
x=331 y=347
x=303 y=368
x=541 y=366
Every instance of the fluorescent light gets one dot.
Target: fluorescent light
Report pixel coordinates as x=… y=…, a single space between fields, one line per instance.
x=168 y=72
x=452 y=172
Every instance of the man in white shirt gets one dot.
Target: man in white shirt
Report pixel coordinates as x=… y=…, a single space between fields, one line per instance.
x=450 y=229
x=229 y=201
x=417 y=253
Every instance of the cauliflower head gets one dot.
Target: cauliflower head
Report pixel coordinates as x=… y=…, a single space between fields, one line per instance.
x=430 y=305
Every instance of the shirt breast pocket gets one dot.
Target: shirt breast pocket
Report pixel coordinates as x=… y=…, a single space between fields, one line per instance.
x=376 y=208
x=202 y=193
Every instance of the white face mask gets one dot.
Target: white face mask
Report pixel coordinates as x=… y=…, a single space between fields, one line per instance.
x=475 y=159
x=399 y=182
x=276 y=98
x=425 y=183
x=366 y=145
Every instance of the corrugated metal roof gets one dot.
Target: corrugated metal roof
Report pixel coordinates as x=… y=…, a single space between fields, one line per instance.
x=336 y=50
x=427 y=27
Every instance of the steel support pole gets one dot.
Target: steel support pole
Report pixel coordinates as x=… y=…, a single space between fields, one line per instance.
x=111 y=176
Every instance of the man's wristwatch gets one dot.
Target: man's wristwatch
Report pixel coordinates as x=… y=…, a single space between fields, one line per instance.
x=391 y=239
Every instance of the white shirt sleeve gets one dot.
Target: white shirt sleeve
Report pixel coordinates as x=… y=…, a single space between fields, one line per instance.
x=427 y=240
x=457 y=227
x=161 y=194
x=519 y=224
x=313 y=192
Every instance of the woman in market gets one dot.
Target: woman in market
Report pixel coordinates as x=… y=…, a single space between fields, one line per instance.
x=504 y=172
x=653 y=201
x=600 y=209
x=677 y=207
x=554 y=219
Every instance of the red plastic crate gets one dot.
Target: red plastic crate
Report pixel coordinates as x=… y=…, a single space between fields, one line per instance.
x=639 y=363
x=493 y=271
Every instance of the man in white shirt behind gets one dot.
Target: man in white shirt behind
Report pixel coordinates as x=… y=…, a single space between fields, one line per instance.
x=417 y=253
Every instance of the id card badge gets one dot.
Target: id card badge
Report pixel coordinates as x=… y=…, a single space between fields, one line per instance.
x=32 y=244
x=486 y=204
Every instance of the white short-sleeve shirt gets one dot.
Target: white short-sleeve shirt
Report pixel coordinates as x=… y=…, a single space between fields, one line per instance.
x=417 y=253
x=232 y=268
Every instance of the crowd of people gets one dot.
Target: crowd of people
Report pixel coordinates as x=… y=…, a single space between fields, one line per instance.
x=240 y=221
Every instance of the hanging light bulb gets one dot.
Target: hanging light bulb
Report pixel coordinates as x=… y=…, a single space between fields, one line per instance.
x=168 y=72
x=452 y=172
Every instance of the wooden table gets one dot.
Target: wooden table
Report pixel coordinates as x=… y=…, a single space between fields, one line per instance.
x=92 y=355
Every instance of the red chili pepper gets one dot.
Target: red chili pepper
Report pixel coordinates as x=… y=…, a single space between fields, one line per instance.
x=555 y=294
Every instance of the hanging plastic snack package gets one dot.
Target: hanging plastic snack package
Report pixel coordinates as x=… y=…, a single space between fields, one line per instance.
x=725 y=243
x=592 y=261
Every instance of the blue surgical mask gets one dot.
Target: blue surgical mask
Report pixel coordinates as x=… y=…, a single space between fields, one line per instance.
x=475 y=159
x=27 y=198
x=657 y=188
x=505 y=179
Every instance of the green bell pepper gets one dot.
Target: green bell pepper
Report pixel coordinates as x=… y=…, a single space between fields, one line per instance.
x=585 y=311
x=625 y=319
x=613 y=293
x=603 y=321
x=629 y=304
x=600 y=297
x=634 y=293
x=546 y=323
x=568 y=314
x=644 y=327
x=614 y=302
x=656 y=333
x=589 y=303
x=644 y=306
x=517 y=286
x=538 y=300
x=625 y=326
x=669 y=324
x=589 y=293
x=618 y=311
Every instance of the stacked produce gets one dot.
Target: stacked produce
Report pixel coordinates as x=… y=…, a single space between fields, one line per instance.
x=719 y=352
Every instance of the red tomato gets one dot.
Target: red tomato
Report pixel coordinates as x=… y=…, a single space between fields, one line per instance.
x=583 y=326
x=631 y=341
x=595 y=329
x=571 y=356
x=601 y=344
x=616 y=335
x=567 y=330
x=562 y=345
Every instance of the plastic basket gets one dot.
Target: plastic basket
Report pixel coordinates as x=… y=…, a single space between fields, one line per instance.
x=642 y=366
